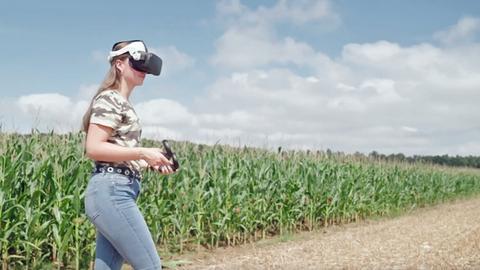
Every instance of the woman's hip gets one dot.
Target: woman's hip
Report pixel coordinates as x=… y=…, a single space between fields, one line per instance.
x=106 y=192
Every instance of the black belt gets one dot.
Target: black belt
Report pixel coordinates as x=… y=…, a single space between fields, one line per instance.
x=116 y=169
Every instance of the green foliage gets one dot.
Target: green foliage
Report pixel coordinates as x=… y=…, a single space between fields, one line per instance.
x=221 y=196
x=446 y=160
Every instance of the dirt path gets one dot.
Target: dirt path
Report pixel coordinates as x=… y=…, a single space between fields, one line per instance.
x=441 y=237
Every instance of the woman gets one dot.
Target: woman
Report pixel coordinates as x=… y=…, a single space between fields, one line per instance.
x=112 y=141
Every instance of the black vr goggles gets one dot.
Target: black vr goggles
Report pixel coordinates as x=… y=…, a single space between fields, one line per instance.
x=140 y=58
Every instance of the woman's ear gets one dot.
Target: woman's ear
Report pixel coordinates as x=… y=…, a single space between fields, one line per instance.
x=119 y=65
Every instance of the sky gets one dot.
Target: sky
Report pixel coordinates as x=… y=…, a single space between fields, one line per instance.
x=392 y=76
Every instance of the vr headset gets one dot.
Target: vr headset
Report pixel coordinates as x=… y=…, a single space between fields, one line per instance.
x=140 y=58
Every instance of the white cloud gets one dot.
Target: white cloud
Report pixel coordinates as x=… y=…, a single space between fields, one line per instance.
x=372 y=53
x=87 y=91
x=10 y=115
x=467 y=148
x=375 y=96
x=409 y=129
x=253 y=47
x=230 y=7
x=297 y=12
x=159 y=133
x=384 y=89
x=164 y=112
x=220 y=133
x=50 y=111
x=51 y=105
x=251 y=39
x=464 y=31
x=236 y=119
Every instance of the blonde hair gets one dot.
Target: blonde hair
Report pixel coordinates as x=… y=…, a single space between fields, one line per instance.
x=111 y=81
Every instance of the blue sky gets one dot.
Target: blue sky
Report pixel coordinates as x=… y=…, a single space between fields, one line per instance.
x=257 y=72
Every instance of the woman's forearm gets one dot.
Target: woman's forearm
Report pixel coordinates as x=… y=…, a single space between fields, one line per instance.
x=105 y=151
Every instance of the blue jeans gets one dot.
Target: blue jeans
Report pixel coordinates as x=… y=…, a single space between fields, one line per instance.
x=122 y=233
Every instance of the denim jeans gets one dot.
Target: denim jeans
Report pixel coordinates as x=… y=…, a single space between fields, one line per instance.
x=122 y=233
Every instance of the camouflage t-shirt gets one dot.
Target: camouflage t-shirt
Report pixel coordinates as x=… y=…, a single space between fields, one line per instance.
x=111 y=109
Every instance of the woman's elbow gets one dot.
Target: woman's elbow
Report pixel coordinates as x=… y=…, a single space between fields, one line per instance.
x=91 y=152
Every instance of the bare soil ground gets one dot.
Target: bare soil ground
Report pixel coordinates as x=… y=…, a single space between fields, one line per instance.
x=445 y=236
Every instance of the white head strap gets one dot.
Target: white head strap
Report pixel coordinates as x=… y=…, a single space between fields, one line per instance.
x=133 y=49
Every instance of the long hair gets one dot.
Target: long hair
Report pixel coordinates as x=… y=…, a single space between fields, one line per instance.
x=111 y=81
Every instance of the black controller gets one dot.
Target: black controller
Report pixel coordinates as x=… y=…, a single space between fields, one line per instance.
x=170 y=155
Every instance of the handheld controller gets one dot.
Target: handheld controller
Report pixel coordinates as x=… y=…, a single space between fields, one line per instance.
x=169 y=154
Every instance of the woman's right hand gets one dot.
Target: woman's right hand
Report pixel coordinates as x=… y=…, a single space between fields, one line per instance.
x=155 y=158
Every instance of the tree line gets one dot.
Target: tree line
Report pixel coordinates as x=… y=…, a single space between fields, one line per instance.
x=445 y=160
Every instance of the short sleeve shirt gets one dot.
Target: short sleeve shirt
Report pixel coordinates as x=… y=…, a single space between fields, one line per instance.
x=111 y=109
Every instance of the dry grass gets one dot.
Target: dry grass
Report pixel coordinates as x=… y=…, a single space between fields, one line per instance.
x=442 y=237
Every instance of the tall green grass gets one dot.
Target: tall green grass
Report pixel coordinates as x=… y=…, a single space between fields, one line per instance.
x=221 y=196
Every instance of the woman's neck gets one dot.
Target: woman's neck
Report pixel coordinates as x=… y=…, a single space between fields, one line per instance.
x=125 y=89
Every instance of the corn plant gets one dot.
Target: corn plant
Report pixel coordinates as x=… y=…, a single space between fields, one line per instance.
x=222 y=195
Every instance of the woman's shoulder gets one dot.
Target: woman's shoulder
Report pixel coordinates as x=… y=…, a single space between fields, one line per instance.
x=111 y=97
x=114 y=98
x=112 y=93
x=108 y=93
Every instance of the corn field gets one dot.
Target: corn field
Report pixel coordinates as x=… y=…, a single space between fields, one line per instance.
x=221 y=196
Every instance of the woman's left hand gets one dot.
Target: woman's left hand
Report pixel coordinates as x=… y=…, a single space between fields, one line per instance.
x=163 y=169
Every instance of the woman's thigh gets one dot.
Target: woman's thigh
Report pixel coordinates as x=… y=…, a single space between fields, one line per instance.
x=111 y=206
